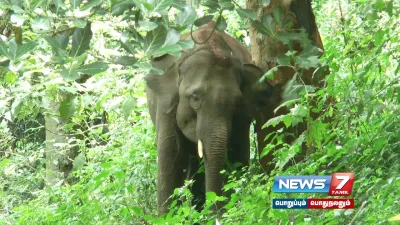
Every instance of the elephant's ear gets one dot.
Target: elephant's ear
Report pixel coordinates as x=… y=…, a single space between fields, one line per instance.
x=164 y=86
x=262 y=92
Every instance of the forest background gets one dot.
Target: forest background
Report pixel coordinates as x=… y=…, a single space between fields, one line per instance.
x=73 y=71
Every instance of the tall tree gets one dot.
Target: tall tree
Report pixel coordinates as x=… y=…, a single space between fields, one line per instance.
x=283 y=40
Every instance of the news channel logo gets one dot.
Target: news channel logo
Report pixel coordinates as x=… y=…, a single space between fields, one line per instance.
x=339 y=184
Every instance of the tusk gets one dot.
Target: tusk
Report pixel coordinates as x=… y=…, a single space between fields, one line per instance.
x=217 y=222
x=200 y=149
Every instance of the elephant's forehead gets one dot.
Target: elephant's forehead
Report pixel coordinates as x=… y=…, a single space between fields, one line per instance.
x=211 y=57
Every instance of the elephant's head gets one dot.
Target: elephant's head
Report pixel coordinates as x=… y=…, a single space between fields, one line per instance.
x=212 y=92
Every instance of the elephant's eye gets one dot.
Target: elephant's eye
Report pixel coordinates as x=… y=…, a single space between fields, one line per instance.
x=194 y=100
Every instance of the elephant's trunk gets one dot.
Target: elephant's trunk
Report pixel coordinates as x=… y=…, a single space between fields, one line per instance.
x=215 y=148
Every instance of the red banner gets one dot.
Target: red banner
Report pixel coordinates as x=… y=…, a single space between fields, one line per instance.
x=331 y=203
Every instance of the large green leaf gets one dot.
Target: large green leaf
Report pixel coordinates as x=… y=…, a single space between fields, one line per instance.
x=125 y=60
x=67 y=107
x=186 y=17
x=203 y=20
x=169 y=49
x=12 y=49
x=79 y=161
x=25 y=48
x=90 y=4
x=154 y=39
x=247 y=14
x=226 y=4
x=80 y=23
x=186 y=43
x=33 y=4
x=161 y=6
x=4 y=49
x=75 y=3
x=212 y=5
x=40 y=24
x=69 y=74
x=127 y=106
x=93 y=68
x=147 y=25
x=81 y=40
x=118 y=7
x=56 y=46
x=221 y=23
x=308 y=57
x=173 y=37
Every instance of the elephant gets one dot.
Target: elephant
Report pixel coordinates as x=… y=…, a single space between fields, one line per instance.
x=202 y=106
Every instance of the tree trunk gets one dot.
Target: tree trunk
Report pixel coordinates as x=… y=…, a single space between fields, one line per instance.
x=59 y=152
x=266 y=49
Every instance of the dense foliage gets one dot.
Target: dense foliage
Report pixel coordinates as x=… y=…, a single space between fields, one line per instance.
x=91 y=56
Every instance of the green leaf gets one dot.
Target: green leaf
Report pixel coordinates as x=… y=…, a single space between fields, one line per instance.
x=161 y=6
x=90 y=4
x=186 y=43
x=274 y=121
x=60 y=4
x=221 y=23
x=284 y=60
x=4 y=162
x=75 y=3
x=308 y=57
x=268 y=75
x=125 y=60
x=212 y=5
x=247 y=13
x=56 y=46
x=81 y=40
x=12 y=49
x=226 y=4
x=186 y=17
x=80 y=23
x=154 y=39
x=127 y=106
x=173 y=37
x=211 y=196
x=93 y=68
x=145 y=66
x=79 y=161
x=147 y=25
x=40 y=24
x=69 y=74
x=277 y=14
x=25 y=48
x=33 y=4
x=269 y=24
x=203 y=20
x=67 y=107
x=119 y=7
x=4 y=49
x=261 y=28
x=10 y=77
x=301 y=37
x=170 y=49
x=378 y=37
x=16 y=107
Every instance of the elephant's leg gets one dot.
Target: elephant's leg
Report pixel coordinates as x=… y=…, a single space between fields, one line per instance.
x=172 y=159
x=240 y=142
